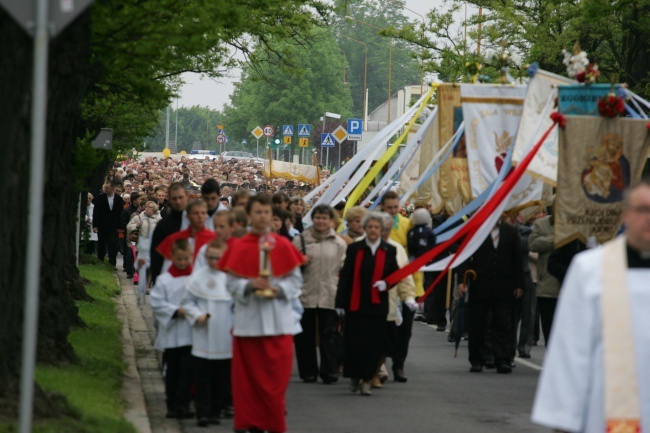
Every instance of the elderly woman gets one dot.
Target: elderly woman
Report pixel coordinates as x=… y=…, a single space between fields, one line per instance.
x=324 y=250
x=353 y=218
x=363 y=297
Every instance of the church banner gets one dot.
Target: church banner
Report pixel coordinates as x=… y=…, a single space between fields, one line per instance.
x=428 y=191
x=535 y=120
x=290 y=171
x=582 y=99
x=453 y=182
x=599 y=158
x=492 y=114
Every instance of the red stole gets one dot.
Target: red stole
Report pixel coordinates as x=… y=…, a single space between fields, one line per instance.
x=242 y=258
x=175 y=272
x=201 y=238
x=377 y=275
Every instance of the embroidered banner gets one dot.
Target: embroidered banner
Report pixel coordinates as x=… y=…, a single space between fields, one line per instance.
x=453 y=182
x=428 y=193
x=535 y=119
x=290 y=171
x=492 y=115
x=581 y=99
x=598 y=159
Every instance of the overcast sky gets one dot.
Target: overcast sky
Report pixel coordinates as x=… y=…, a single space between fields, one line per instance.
x=215 y=94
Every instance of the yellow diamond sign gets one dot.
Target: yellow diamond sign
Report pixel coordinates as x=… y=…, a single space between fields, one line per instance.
x=257 y=132
x=340 y=134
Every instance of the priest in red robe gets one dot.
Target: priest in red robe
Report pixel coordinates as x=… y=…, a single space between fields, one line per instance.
x=265 y=281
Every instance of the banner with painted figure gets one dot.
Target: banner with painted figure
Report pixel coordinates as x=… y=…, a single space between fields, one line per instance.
x=290 y=171
x=492 y=114
x=582 y=99
x=428 y=192
x=411 y=172
x=535 y=120
x=599 y=158
x=453 y=181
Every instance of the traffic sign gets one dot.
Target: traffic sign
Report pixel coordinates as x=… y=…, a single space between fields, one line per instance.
x=304 y=130
x=303 y=142
x=287 y=139
x=287 y=130
x=327 y=140
x=268 y=131
x=221 y=138
x=257 y=132
x=355 y=129
x=340 y=134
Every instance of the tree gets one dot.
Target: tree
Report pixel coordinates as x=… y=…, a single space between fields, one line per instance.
x=405 y=68
x=116 y=65
x=277 y=95
x=195 y=123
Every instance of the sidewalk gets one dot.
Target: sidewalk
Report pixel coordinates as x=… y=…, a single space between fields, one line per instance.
x=145 y=367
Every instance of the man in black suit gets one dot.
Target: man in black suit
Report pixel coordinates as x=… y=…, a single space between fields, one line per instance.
x=500 y=280
x=106 y=221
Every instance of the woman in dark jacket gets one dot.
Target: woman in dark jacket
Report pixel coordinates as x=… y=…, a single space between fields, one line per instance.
x=363 y=296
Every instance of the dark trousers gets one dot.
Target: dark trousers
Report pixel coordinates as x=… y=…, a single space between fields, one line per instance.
x=129 y=260
x=435 y=305
x=477 y=318
x=178 y=377
x=107 y=241
x=318 y=323
x=528 y=306
x=90 y=247
x=546 y=312
x=403 y=338
x=212 y=381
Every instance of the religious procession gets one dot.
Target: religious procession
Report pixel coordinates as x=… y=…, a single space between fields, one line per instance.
x=476 y=263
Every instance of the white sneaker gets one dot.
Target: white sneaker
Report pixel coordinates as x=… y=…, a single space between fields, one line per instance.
x=365 y=388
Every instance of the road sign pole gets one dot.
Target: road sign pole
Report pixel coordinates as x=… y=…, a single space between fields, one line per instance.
x=34 y=214
x=340 y=146
x=327 y=158
x=321 y=148
x=258 y=148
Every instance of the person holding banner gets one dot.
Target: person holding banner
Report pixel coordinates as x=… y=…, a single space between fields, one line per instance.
x=500 y=279
x=595 y=375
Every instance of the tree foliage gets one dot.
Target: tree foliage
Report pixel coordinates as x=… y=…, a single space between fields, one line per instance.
x=195 y=123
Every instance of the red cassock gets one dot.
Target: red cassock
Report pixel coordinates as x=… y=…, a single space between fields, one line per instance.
x=261 y=366
x=201 y=238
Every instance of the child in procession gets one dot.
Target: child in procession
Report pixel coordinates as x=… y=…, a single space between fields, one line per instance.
x=174 y=332
x=208 y=307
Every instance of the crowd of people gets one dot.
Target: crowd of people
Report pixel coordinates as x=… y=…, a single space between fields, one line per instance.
x=235 y=275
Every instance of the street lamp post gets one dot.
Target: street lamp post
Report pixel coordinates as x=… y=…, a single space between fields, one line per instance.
x=390 y=57
x=364 y=97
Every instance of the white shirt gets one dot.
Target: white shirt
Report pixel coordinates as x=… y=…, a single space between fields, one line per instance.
x=570 y=393
x=206 y=293
x=373 y=246
x=257 y=317
x=166 y=298
x=111 y=199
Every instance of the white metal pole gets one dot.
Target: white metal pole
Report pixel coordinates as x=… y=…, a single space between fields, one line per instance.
x=365 y=113
x=34 y=214
x=176 y=132
x=167 y=130
x=258 y=147
x=79 y=227
x=321 y=144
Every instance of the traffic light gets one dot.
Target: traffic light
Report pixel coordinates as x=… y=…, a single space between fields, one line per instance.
x=276 y=135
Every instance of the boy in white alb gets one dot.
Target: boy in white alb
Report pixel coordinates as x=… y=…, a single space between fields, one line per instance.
x=208 y=308
x=174 y=333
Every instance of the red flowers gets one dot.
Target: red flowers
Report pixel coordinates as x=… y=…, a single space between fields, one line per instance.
x=611 y=106
x=559 y=119
x=589 y=75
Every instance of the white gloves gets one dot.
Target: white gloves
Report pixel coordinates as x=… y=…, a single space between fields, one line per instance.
x=381 y=285
x=340 y=312
x=411 y=304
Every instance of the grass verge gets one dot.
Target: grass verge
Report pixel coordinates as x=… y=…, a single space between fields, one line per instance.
x=92 y=386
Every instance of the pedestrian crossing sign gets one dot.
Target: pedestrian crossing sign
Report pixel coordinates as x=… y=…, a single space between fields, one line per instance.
x=327 y=140
x=303 y=142
x=287 y=139
x=287 y=130
x=304 y=130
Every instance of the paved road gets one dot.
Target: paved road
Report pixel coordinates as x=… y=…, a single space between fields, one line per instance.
x=440 y=396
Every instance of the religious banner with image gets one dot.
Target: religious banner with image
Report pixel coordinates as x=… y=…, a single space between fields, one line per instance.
x=582 y=99
x=453 y=182
x=535 y=120
x=599 y=158
x=492 y=114
x=291 y=171
x=428 y=193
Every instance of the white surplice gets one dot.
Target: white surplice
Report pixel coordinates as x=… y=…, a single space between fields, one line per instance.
x=166 y=298
x=570 y=393
x=257 y=316
x=206 y=293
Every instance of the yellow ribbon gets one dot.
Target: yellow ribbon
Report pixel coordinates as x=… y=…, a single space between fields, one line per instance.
x=388 y=154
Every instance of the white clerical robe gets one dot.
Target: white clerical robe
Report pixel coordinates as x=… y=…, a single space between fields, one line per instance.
x=206 y=293
x=257 y=316
x=570 y=393
x=165 y=301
